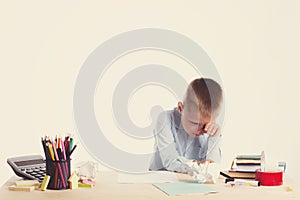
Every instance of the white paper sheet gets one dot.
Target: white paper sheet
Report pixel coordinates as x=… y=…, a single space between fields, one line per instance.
x=151 y=177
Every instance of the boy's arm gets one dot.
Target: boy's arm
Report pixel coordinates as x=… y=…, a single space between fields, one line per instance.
x=213 y=143
x=213 y=148
x=166 y=146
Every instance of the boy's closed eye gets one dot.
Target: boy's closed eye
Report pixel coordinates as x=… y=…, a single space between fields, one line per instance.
x=194 y=123
x=198 y=125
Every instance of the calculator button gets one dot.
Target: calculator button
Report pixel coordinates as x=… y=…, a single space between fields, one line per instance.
x=41 y=172
x=29 y=170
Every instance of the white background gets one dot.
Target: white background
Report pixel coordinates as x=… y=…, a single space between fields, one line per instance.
x=254 y=45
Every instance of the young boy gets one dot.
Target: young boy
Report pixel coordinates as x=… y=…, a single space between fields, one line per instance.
x=189 y=132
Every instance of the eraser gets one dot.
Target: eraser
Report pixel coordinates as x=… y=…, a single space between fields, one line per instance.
x=23 y=188
x=45 y=182
x=73 y=180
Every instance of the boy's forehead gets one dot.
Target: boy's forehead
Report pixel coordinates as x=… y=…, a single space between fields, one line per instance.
x=192 y=114
x=196 y=116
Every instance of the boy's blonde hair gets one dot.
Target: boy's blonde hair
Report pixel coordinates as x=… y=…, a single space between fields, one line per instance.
x=204 y=95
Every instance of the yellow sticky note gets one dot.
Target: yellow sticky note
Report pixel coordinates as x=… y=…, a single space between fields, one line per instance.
x=21 y=188
x=45 y=182
x=85 y=185
x=26 y=183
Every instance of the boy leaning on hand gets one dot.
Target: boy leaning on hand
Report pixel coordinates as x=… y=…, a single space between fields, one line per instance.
x=189 y=132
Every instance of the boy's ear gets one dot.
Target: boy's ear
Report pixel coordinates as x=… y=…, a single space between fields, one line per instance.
x=180 y=106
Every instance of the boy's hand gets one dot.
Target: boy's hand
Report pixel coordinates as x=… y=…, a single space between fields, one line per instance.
x=212 y=128
x=203 y=162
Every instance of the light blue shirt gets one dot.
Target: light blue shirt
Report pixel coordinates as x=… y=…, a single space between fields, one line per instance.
x=174 y=146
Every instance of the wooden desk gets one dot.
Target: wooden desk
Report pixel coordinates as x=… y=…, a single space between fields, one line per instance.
x=108 y=188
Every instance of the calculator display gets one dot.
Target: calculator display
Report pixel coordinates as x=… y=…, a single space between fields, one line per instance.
x=29 y=162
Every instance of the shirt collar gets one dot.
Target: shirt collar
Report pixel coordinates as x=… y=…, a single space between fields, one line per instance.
x=177 y=119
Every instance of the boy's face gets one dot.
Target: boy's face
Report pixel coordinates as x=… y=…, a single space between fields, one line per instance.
x=193 y=122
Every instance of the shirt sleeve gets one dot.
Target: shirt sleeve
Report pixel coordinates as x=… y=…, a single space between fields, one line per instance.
x=166 y=146
x=213 y=148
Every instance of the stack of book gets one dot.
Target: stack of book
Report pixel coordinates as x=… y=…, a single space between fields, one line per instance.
x=244 y=166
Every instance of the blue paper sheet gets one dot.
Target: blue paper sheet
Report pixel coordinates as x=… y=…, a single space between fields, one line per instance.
x=181 y=188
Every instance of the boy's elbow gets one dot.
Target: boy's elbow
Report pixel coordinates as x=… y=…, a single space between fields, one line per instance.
x=174 y=166
x=167 y=164
x=170 y=165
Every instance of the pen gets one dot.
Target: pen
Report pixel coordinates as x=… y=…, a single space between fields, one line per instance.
x=225 y=175
x=58 y=143
x=71 y=144
x=244 y=183
x=65 y=158
x=73 y=149
x=58 y=164
x=56 y=178
x=228 y=178
x=50 y=151
x=47 y=153
x=67 y=149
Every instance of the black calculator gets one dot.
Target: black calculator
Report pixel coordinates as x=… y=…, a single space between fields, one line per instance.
x=31 y=167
